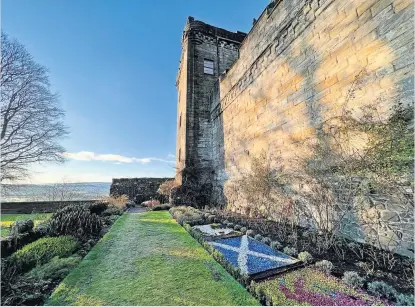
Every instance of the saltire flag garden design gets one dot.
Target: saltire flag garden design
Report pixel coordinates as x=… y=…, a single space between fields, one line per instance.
x=250 y=255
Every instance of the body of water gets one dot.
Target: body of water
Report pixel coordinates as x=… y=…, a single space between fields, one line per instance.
x=54 y=192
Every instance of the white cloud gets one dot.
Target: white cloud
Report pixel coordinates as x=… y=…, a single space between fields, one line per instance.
x=91 y=156
x=171 y=156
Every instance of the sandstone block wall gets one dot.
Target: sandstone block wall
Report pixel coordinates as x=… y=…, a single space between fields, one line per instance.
x=138 y=189
x=295 y=69
x=200 y=42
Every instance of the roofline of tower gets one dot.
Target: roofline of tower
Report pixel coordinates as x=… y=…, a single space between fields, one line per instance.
x=200 y=26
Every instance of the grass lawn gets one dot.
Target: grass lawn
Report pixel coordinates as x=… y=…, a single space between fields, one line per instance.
x=9 y=219
x=149 y=259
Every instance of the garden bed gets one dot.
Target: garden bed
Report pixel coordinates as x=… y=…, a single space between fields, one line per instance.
x=343 y=265
x=48 y=250
x=345 y=255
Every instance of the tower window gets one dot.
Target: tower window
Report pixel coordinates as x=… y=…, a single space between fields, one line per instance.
x=180 y=151
x=180 y=120
x=208 y=67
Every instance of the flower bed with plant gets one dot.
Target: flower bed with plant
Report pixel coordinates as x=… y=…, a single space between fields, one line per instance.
x=47 y=252
x=309 y=286
x=353 y=289
x=365 y=261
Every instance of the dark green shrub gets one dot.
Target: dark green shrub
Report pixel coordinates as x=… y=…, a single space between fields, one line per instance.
x=353 y=279
x=109 y=220
x=22 y=226
x=291 y=251
x=276 y=245
x=161 y=207
x=266 y=240
x=42 y=230
x=43 y=250
x=237 y=227
x=210 y=219
x=229 y=225
x=250 y=233
x=98 y=207
x=243 y=230
x=26 y=292
x=112 y=210
x=55 y=269
x=77 y=221
x=405 y=299
x=325 y=266
x=190 y=215
x=381 y=289
x=258 y=237
x=305 y=257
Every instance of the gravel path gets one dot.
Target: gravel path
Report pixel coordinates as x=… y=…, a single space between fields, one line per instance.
x=137 y=210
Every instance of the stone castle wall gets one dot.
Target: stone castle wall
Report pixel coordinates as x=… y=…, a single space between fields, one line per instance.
x=294 y=70
x=200 y=42
x=291 y=72
x=138 y=189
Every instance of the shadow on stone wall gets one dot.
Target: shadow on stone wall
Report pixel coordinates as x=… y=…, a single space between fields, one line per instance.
x=324 y=72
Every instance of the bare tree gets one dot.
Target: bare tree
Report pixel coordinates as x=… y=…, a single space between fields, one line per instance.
x=31 y=119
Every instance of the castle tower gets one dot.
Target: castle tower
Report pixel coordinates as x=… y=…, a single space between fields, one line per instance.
x=207 y=52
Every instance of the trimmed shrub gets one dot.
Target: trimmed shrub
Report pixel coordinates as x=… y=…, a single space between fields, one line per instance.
x=291 y=251
x=42 y=230
x=161 y=207
x=43 y=250
x=381 y=289
x=225 y=222
x=266 y=240
x=229 y=225
x=305 y=257
x=250 y=233
x=210 y=219
x=258 y=237
x=55 y=269
x=405 y=299
x=109 y=220
x=112 y=210
x=76 y=221
x=22 y=226
x=276 y=245
x=237 y=227
x=243 y=230
x=27 y=292
x=353 y=279
x=98 y=207
x=325 y=266
x=189 y=215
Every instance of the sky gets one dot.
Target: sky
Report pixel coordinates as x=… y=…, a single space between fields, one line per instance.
x=114 y=64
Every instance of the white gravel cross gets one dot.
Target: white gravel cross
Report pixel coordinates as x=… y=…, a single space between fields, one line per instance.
x=243 y=252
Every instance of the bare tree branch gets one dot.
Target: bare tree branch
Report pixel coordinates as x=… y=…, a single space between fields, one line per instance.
x=31 y=118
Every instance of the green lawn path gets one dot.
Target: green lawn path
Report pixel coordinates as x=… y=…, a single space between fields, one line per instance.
x=149 y=259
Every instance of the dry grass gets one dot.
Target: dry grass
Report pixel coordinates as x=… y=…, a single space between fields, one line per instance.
x=117 y=201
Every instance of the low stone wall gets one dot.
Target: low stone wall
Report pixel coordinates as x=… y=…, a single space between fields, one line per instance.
x=138 y=189
x=38 y=206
